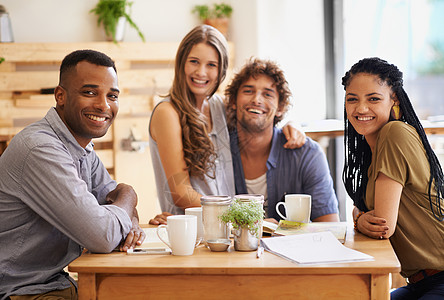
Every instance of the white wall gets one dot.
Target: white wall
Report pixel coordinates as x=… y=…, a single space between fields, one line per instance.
x=292 y=33
x=287 y=31
x=70 y=21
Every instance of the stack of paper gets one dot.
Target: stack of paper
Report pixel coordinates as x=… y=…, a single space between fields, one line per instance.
x=312 y=248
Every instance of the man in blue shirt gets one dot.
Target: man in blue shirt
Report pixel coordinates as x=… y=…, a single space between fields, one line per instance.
x=258 y=98
x=56 y=197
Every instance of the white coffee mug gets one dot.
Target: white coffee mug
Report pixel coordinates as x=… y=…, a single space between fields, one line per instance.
x=297 y=208
x=182 y=232
x=196 y=211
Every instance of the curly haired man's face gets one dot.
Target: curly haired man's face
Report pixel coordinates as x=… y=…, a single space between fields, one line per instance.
x=257 y=104
x=368 y=104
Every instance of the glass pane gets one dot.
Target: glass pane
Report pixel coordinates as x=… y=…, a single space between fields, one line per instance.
x=407 y=33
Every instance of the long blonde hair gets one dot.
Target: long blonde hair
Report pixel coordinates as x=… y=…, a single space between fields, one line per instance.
x=199 y=152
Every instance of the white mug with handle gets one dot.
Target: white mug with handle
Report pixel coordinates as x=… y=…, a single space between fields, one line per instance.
x=182 y=233
x=297 y=208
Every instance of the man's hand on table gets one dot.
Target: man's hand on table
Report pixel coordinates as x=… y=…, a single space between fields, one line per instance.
x=135 y=237
x=160 y=219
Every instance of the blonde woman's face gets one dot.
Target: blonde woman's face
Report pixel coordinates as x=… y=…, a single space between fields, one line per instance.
x=368 y=104
x=201 y=70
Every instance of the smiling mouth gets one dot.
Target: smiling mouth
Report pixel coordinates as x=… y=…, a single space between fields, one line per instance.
x=197 y=81
x=255 y=111
x=365 y=118
x=96 y=118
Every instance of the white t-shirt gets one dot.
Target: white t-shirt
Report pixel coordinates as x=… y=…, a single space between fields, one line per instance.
x=259 y=186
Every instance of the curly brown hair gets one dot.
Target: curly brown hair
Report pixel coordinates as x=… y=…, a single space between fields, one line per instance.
x=253 y=68
x=198 y=149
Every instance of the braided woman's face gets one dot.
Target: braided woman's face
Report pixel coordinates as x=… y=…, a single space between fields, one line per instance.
x=368 y=105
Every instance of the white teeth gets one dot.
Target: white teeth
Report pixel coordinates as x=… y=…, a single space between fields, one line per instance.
x=199 y=81
x=365 y=118
x=256 y=111
x=95 y=118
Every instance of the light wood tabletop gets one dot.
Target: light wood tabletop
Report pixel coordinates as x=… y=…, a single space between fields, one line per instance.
x=219 y=275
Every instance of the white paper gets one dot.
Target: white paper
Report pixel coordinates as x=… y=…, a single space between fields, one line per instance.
x=152 y=241
x=313 y=248
x=270 y=225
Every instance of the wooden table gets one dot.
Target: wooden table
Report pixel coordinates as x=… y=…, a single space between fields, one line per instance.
x=233 y=274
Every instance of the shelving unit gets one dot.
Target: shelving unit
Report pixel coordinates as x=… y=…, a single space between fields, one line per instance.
x=145 y=72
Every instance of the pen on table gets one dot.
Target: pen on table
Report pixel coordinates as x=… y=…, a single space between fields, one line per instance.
x=259 y=252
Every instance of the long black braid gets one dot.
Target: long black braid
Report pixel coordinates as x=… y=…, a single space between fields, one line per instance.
x=358 y=155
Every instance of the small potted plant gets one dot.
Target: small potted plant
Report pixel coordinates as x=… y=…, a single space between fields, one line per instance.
x=217 y=16
x=112 y=15
x=245 y=215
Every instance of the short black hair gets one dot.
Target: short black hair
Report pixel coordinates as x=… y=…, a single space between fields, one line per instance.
x=91 y=56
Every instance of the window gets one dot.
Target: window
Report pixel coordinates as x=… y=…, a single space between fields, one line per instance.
x=407 y=33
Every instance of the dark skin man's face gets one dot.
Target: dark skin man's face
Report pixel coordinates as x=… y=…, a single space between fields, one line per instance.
x=87 y=101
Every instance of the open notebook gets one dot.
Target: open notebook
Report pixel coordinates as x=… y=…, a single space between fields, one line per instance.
x=339 y=229
x=269 y=227
x=152 y=240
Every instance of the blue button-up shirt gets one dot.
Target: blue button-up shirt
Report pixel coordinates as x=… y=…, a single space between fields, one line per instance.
x=291 y=171
x=52 y=204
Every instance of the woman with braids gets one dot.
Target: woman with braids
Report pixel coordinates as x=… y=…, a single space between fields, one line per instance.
x=393 y=176
x=189 y=141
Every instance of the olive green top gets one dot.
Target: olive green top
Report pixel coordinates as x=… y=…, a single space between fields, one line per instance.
x=419 y=238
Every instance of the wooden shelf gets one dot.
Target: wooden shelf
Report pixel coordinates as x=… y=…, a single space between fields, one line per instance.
x=145 y=72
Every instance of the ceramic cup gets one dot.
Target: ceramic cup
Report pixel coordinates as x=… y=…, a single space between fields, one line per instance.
x=297 y=208
x=182 y=233
x=196 y=211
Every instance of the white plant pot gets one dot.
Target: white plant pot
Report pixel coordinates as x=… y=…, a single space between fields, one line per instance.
x=120 y=31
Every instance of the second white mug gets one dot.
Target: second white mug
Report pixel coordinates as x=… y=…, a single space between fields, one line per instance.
x=182 y=233
x=196 y=211
x=297 y=208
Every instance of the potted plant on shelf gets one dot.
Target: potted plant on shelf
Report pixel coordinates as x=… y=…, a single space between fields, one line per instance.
x=246 y=215
x=112 y=15
x=217 y=16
